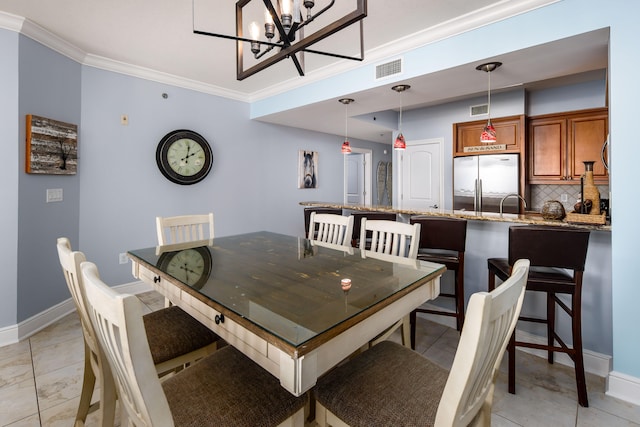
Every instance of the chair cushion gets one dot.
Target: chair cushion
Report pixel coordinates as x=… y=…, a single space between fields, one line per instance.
x=394 y=386
x=171 y=332
x=226 y=388
x=542 y=279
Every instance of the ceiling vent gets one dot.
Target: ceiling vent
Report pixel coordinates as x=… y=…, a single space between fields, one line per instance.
x=479 y=110
x=389 y=69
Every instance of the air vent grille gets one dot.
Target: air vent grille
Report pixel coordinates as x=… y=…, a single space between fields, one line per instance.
x=389 y=69
x=479 y=110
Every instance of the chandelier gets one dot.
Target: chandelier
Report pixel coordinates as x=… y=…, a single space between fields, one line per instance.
x=284 y=25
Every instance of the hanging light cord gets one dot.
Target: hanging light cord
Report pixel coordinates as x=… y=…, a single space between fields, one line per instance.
x=346 y=122
x=400 y=125
x=489 y=97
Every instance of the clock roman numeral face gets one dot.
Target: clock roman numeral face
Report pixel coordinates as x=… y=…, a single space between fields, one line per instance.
x=184 y=157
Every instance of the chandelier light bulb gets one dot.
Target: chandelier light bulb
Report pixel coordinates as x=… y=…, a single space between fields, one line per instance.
x=254 y=31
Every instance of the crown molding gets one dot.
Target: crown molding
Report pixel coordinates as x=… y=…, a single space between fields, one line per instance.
x=482 y=17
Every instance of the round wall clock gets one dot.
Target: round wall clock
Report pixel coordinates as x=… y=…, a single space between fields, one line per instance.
x=184 y=157
x=191 y=266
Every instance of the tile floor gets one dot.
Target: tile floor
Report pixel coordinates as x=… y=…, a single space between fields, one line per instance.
x=40 y=381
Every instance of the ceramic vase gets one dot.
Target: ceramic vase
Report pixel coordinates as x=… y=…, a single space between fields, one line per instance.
x=590 y=191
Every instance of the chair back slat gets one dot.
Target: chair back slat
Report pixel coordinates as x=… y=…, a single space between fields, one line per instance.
x=330 y=228
x=390 y=238
x=117 y=319
x=184 y=228
x=490 y=321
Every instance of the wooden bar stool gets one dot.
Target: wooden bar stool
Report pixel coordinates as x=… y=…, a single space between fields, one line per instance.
x=443 y=240
x=552 y=251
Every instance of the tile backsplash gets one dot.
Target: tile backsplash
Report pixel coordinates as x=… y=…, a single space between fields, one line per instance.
x=542 y=193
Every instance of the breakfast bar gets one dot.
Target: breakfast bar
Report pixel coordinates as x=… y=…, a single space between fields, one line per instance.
x=487 y=237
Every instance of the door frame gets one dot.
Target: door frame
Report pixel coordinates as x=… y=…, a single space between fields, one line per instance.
x=399 y=160
x=368 y=158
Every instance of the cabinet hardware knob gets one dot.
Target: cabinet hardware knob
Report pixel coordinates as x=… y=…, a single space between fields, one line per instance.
x=156 y=279
x=219 y=319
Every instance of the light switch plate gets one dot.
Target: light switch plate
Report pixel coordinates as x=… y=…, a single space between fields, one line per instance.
x=54 y=195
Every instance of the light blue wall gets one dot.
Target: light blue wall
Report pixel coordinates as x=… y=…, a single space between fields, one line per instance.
x=49 y=87
x=9 y=121
x=252 y=186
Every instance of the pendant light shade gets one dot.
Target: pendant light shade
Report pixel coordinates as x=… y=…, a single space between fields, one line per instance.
x=400 y=143
x=488 y=135
x=346 y=147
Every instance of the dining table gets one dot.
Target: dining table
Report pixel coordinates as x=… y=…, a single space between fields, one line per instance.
x=282 y=301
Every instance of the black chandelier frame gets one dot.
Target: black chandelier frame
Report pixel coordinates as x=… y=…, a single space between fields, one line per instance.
x=287 y=48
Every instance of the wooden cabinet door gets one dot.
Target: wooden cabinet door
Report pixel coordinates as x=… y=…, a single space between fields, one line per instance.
x=547 y=150
x=509 y=131
x=586 y=136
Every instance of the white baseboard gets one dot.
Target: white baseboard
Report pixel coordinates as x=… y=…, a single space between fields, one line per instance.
x=595 y=363
x=623 y=386
x=619 y=385
x=26 y=328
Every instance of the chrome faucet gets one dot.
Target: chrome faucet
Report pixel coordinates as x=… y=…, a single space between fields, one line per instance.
x=512 y=195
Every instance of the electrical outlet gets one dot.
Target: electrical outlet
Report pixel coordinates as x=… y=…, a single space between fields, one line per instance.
x=123 y=258
x=564 y=197
x=124 y=120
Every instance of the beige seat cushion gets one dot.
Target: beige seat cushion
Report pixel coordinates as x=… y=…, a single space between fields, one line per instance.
x=171 y=332
x=245 y=394
x=393 y=386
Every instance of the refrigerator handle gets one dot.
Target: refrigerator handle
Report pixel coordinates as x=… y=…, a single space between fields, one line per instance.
x=477 y=202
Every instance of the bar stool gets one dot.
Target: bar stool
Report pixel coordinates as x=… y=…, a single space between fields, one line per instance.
x=357 y=221
x=307 y=215
x=443 y=240
x=552 y=251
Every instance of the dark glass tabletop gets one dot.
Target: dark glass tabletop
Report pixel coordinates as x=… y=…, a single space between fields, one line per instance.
x=288 y=286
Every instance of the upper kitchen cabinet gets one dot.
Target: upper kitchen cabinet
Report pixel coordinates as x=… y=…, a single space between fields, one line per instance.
x=509 y=130
x=558 y=144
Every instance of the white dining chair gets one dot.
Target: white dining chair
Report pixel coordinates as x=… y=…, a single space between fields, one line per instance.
x=330 y=228
x=393 y=238
x=390 y=385
x=184 y=228
x=224 y=389
x=175 y=340
x=391 y=241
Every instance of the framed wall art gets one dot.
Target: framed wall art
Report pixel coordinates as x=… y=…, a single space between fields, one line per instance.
x=307 y=169
x=52 y=147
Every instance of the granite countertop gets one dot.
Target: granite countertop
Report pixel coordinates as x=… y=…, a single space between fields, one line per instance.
x=534 y=218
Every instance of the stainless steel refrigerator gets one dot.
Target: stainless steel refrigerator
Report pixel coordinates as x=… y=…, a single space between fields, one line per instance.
x=480 y=182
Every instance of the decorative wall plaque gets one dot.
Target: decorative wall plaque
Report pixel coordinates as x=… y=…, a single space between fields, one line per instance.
x=52 y=147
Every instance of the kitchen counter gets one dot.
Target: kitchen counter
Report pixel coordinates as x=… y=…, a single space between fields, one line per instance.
x=488 y=237
x=534 y=218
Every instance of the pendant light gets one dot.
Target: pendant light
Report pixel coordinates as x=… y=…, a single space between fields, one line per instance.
x=400 y=143
x=346 y=147
x=488 y=135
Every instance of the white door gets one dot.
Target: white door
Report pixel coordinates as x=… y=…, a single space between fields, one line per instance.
x=357 y=174
x=422 y=185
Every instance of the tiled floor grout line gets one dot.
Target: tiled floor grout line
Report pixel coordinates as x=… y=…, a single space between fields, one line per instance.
x=35 y=384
